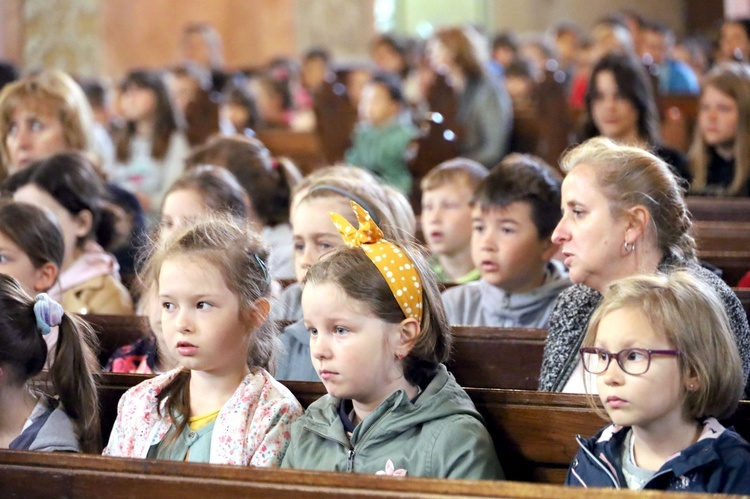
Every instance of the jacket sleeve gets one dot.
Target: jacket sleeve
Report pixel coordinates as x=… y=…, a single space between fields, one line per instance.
x=463 y=449
x=111 y=298
x=274 y=445
x=735 y=474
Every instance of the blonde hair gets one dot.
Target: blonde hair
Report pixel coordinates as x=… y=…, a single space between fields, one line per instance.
x=732 y=79
x=373 y=195
x=49 y=92
x=454 y=170
x=692 y=318
x=631 y=176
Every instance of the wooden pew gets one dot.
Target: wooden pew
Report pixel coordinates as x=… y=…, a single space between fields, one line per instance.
x=491 y=357
x=42 y=475
x=678 y=114
x=725 y=245
x=533 y=432
x=114 y=331
x=483 y=357
x=713 y=209
x=303 y=148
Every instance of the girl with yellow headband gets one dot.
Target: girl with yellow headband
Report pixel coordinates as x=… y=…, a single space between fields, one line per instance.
x=378 y=341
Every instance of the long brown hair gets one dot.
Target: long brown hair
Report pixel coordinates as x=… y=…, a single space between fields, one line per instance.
x=732 y=79
x=23 y=352
x=168 y=118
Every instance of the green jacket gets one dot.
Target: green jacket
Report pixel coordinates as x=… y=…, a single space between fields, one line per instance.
x=381 y=150
x=441 y=435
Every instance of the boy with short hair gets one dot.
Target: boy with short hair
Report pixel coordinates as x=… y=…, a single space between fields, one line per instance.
x=514 y=212
x=383 y=133
x=446 y=218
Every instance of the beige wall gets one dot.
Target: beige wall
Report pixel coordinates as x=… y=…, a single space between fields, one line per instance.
x=537 y=15
x=127 y=33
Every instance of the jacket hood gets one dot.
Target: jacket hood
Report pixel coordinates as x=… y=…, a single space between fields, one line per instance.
x=441 y=398
x=94 y=262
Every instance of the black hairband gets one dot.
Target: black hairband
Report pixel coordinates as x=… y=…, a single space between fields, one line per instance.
x=350 y=195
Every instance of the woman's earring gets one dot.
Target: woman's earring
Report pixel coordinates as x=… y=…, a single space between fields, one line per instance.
x=628 y=247
x=691 y=387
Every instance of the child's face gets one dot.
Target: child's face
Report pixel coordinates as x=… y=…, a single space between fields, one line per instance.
x=653 y=400
x=376 y=105
x=31 y=136
x=313 y=232
x=446 y=218
x=180 y=208
x=235 y=114
x=200 y=317
x=718 y=116
x=137 y=103
x=349 y=346
x=15 y=263
x=506 y=248
x=73 y=226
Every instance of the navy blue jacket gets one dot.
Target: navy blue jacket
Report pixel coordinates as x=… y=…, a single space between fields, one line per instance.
x=719 y=462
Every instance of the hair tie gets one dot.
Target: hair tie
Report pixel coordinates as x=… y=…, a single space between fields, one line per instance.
x=263 y=268
x=48 y=313
x=394 y=265
x=351 y=196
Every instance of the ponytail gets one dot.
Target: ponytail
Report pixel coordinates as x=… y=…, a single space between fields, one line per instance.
x=24 y=326
x=72 y=376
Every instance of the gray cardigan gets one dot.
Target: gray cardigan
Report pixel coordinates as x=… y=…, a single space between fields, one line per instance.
x=576 y=305
x=485 y=112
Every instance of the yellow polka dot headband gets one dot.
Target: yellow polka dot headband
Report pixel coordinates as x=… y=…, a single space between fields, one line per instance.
x=394 y=265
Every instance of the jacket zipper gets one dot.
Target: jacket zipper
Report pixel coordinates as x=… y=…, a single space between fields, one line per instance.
x=598 y=462
x=350 y=461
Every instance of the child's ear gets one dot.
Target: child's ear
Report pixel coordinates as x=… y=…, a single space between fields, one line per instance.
x=260 y=314
x=45 y=277
x=692 y=384
x=408 y=331
x=549 y=249
x=84 y=221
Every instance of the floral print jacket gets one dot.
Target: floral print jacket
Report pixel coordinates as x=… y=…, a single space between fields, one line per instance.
x=252 y=428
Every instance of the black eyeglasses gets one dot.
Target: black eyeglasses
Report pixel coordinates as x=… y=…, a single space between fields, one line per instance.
x=633 y=361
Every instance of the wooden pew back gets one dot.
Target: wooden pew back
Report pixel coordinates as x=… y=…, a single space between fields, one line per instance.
x=485 y=357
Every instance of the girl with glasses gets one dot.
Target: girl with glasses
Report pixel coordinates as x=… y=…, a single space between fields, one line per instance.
x=666 y=366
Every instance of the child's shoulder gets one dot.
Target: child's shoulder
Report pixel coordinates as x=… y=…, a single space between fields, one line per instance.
x=269 y=390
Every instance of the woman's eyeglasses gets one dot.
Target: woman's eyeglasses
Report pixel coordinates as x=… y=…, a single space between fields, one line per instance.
x=633 y=361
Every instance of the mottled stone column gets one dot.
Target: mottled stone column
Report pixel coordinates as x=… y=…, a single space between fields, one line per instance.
x=345 y=27
x=62 y=34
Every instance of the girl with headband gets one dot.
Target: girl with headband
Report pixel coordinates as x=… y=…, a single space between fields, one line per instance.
x=65 y=418
x=378 y=341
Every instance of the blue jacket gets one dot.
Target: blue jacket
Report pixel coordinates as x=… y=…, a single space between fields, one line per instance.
x=719 y=462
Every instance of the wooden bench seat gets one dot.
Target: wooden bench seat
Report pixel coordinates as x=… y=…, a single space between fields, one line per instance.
x=41 y=475
x=533 y=431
